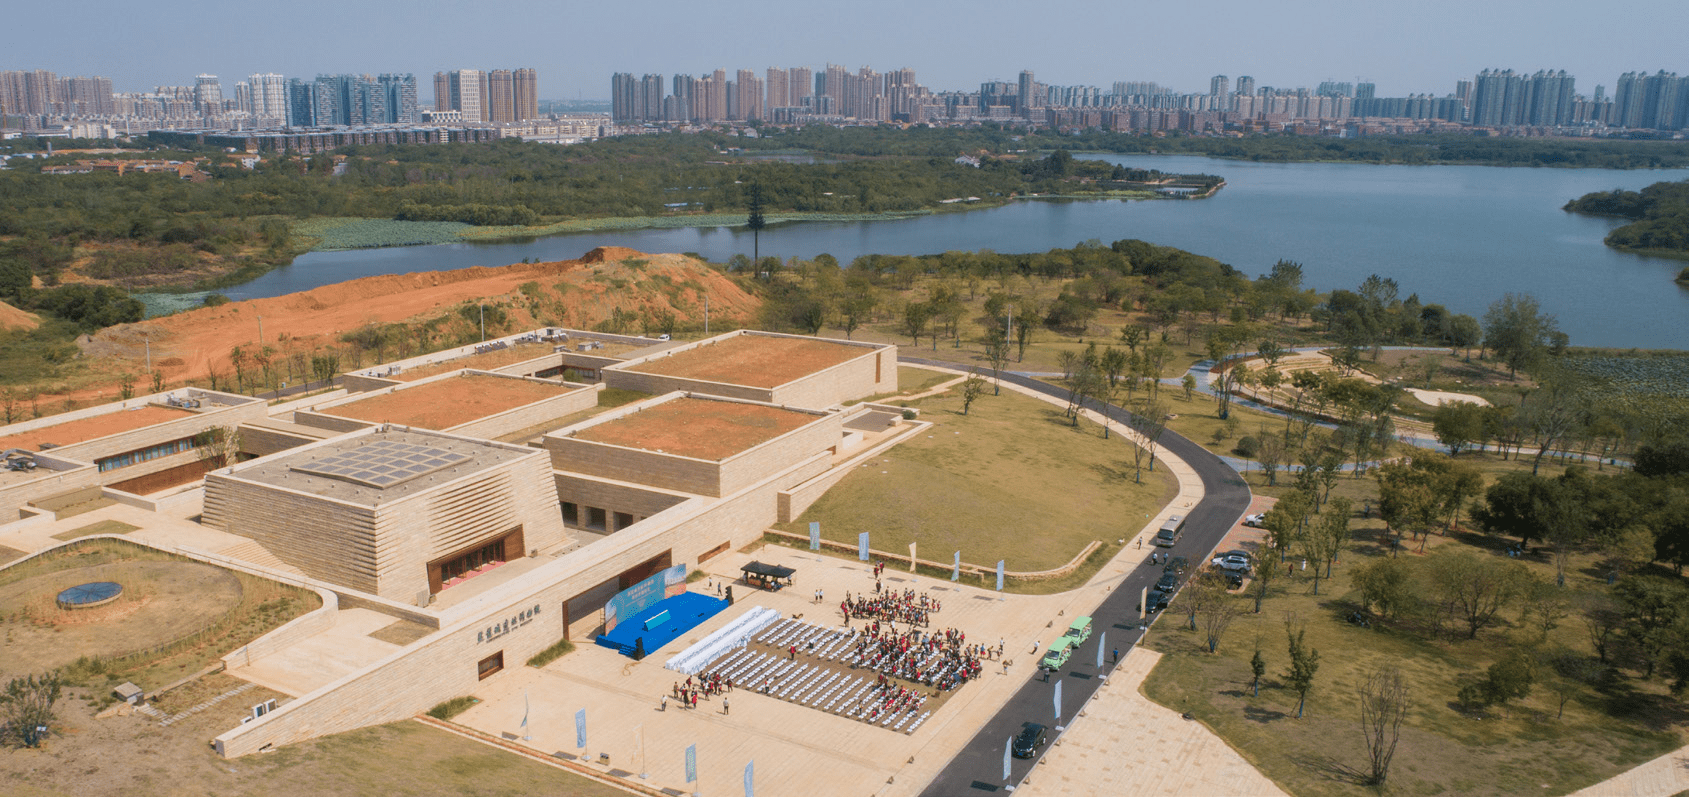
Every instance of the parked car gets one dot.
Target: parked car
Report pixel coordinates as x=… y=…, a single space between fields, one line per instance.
x=1079 y=630
x=1233 y=580
x=1236 y=561
x=1169 y=582
x=1176 y=565
x=1157 y=601
x=1255 y=520
x=1032 y=737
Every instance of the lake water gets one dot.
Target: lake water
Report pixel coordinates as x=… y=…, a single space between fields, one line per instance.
x=1457 y=235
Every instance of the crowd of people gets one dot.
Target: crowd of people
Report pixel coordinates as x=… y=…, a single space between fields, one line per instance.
x=942 y=660
x=887 y=697
x=908 y=606
x=704 y=685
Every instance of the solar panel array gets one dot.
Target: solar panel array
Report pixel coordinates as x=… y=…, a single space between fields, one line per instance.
x=383 y=464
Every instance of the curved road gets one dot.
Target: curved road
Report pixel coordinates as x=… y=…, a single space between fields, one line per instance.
x=978 y=768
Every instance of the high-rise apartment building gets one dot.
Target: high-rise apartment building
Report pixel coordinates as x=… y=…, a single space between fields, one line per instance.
x=1245 y=86
x=85 y=96
x=800 y=82
x=268 y=97
x=501 y=96
x=777 y=96
x=208 y=94
x=526 y=83
x=400 y=91
x=1028 y=92
x=467 y=90
x=301 y=103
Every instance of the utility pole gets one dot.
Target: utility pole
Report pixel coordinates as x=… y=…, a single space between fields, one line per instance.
x=706 y=315
x=260 y=330
x=147 y=336
x=483 y=322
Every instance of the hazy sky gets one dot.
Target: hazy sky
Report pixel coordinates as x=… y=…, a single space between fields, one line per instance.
x=1409 y=46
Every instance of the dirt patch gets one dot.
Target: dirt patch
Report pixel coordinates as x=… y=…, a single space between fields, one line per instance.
x=161 y=602
x=401 y=632
x=102 y=527
x=449 y=402
x=579 y=293
x=754 y=360
x=13 y=318
x=698 y=428
x=79 y=431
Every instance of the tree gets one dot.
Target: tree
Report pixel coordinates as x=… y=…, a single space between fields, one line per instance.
x=324 y=367
x=1324 y=538
x=1517 y=331
x=1458 y=424
x=1386 y=586
x=755 y=221
x=1384 y=705
x=1407 y=499
x=856 y=309
x=1025 y=319
x=1189 y=384
x=1304 y=663
x=125 y=386
x=915 y=318
x=996 y=353
x=1262 y=580
x=972 y=387
x=1258 y=668
x=219 y=445
x=27 y=707
x=239 y=358
x=1216 y=605
x=1475 y=589
x=1510 y=678
x=1543 y=605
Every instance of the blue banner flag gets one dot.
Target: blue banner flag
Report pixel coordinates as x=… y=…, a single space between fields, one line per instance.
x=999 y=575
x=956 y=569
x=1102 y=644
x=580 y=729
x=750 y=774
x=691 y=763
x=525 y=736
x=862 y=546
x=1006 y=745
x=1058 y=701
x=815 y=535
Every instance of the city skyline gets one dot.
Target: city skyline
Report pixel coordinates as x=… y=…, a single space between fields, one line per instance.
x=1400 y=50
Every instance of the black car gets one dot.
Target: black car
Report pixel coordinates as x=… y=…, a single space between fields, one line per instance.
x=1157 y=600
x=1169 y=582
x=1176 y=565
x=1032 y=736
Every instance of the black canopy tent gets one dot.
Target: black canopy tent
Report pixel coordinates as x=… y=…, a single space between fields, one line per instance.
x=765 y=576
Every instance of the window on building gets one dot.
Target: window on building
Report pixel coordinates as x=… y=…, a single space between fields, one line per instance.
x=571 y=514
x=143 y=454
x=623 y=520
x=595 y=518
x=490 y=665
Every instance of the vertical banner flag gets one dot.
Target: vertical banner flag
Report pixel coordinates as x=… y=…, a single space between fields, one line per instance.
x=691 y=763
x=1006 y=745
x=1058 y=701
x=999 y=575
x=1102 y=643
x=911 y=557
x=862 y=546
x=956 y=569
x=750 y=774
x=580 y=729
x=525 y=736
x=815 y=535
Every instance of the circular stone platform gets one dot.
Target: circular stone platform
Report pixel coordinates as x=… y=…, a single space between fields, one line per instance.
x=87 y=596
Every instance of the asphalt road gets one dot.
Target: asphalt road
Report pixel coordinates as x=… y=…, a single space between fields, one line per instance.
x=978 y=768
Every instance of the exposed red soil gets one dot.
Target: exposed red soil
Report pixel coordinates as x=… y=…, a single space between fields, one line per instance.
x=69 y=432
x=697 y=428
x=13 y=318
x=449 y=402
x=754 y=360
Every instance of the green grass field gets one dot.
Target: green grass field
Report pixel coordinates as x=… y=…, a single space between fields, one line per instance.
x=1012 y=480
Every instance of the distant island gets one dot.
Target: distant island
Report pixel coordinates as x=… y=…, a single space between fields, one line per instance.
x=1659 y=214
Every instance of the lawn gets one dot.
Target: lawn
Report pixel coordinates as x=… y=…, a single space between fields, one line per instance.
x=1012 y=480
x=1524 y=748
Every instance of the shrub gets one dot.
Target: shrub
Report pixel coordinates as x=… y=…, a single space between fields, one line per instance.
x=553 y=653
x=452 y=707
x=1248 y=446
x=908 y=415
x=215 y=300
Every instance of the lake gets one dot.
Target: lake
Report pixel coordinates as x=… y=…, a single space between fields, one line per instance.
x=1457 y=235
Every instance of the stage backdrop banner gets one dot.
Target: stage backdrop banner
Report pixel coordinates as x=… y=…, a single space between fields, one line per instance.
x=629 y=602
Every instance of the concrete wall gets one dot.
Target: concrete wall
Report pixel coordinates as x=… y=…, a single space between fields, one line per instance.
x=295 y=630
x=615 y=496
x=327 y=539
x=45 y=485
x=795 y=501
x=531 y=415
x=262 y=442
x=333 y=423
x=637 y=466
x=873 y=373
x=358 y=383
x=658 y=383
x=781 y=453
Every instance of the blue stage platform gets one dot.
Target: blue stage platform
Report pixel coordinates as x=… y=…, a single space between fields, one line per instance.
x=668 y=618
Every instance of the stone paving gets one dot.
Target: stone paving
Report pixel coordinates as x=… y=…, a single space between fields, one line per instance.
x=1142 y=748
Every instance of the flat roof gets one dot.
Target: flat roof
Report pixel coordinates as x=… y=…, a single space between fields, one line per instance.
x=485 y=361
x=754 y=360
x=84 y=429
x=318 y=470
x=696 y=427
x=446 y=403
